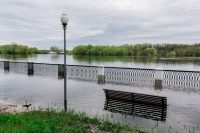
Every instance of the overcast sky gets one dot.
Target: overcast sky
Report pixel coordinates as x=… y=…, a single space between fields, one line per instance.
x=37 y=22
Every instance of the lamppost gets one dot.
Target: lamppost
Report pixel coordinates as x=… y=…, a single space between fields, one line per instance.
x=64 y=20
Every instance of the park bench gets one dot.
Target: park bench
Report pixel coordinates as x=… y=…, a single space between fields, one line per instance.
x=147 y=106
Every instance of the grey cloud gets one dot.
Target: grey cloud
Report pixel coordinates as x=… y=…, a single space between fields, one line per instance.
x=37 y=23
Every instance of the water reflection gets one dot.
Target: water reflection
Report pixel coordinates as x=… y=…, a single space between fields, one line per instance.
x=139 y=59
x=17 y=57
x=108 y=59
x=125 y=59
x=55 y=57
x=194 y=60
x=136 y=62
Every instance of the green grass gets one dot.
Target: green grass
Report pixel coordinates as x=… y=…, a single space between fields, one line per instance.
x=57 y=122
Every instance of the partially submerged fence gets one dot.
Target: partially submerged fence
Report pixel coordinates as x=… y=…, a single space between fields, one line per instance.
x=158 y=78
x=133 y=76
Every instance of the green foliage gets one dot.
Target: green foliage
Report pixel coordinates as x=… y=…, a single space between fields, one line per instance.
x=56 y=49
x=172 y=54
x=44 y=51
x=100 y=50
x=17 y=49
x=146 y=49
x=51 y=122
x=150 y=52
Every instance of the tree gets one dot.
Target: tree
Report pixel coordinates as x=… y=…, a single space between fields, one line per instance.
x=55 y=49
x=150 y=52
x=158 y=50
x=172 y=54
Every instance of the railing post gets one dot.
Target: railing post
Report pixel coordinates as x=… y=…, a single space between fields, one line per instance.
x=6 y=66
x=60 y=71
x=30 y=68
x=159 y=73
x=101 y=75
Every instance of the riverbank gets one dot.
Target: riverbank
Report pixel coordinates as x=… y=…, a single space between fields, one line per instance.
x=6 y=107
x=15 y=118
x=51 y=121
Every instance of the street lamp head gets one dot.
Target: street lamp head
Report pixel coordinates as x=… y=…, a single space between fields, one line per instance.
x=64 y=19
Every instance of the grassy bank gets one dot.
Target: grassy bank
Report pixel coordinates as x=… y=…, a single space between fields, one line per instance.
x=58 y=122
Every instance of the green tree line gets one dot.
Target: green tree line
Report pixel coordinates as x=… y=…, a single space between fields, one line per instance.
x=156 y=50
x=20 y=49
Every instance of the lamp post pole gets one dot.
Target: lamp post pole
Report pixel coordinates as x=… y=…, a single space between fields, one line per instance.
x=64 y=20
x=65 y=71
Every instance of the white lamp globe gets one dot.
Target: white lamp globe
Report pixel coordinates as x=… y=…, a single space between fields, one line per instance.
x=64 y=19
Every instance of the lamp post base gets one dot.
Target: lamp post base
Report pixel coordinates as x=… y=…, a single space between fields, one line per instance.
x=65 y=105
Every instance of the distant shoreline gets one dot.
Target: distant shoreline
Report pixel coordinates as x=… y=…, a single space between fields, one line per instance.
x=137 y=50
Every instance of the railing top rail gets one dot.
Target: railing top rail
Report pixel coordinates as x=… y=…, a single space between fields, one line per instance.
x=130 y=68
x=167 y=70
x=84 y=66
